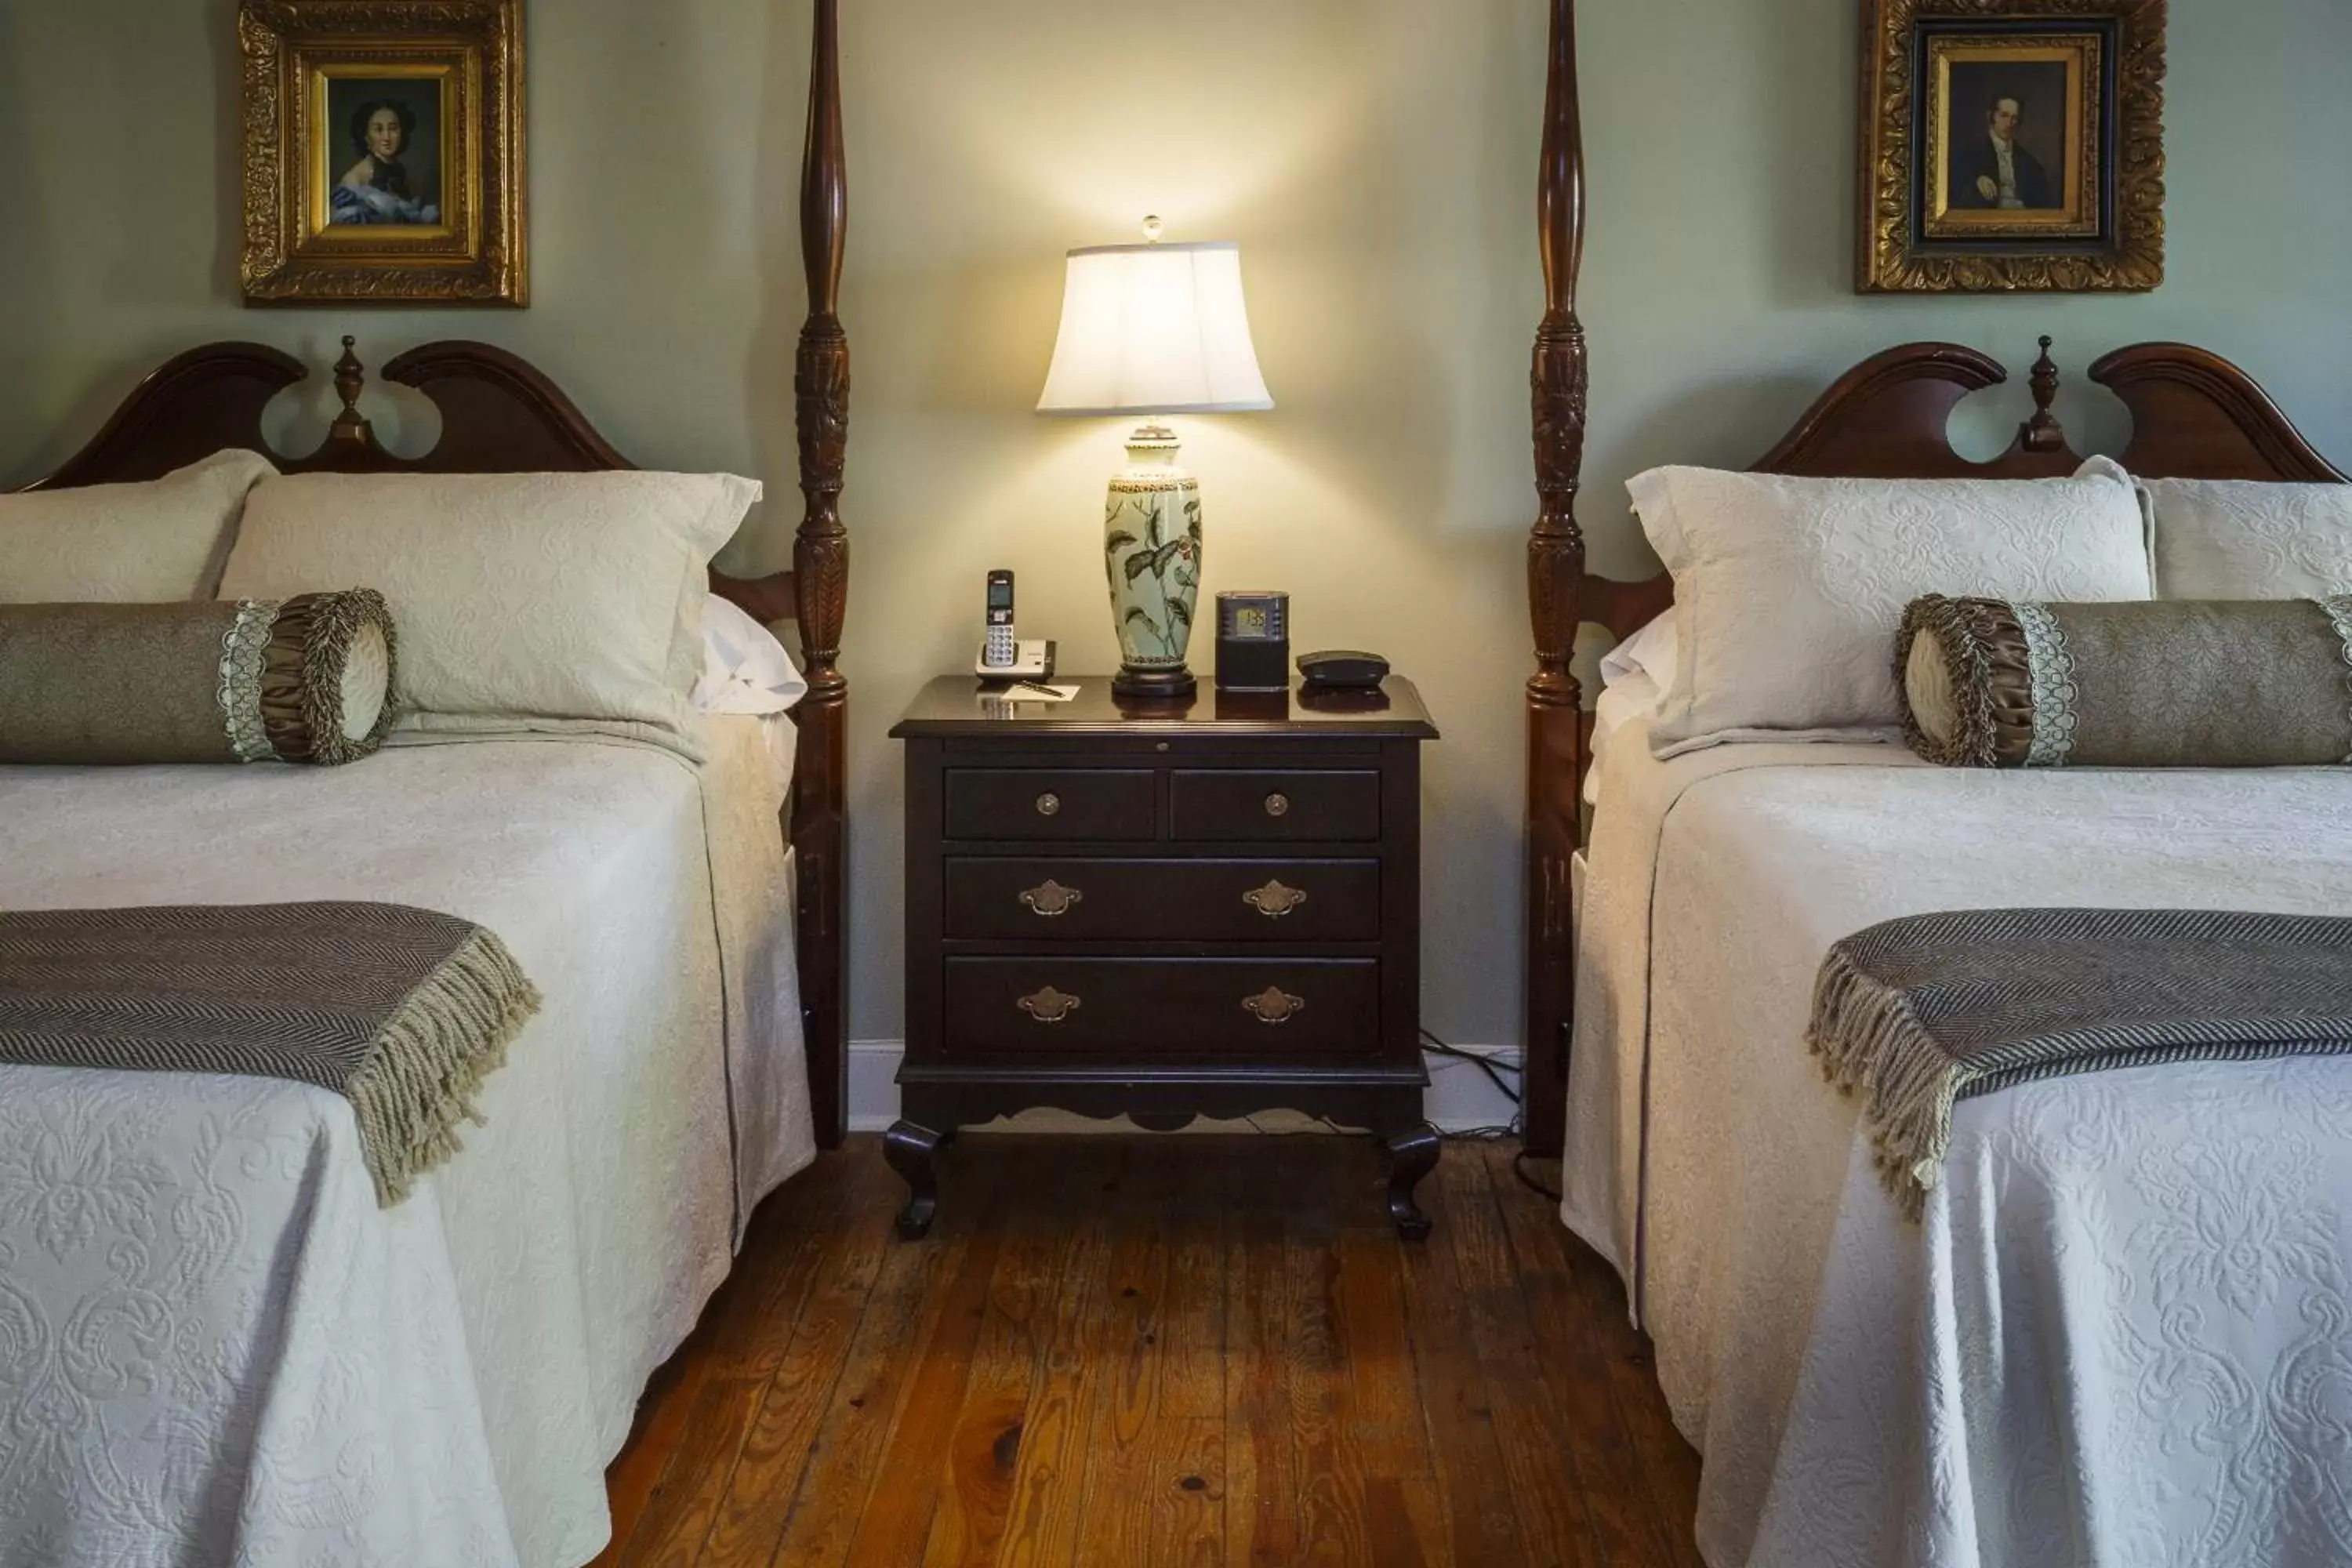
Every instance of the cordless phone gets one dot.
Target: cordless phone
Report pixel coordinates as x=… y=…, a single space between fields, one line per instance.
x=998 y=653
x=1004 y=656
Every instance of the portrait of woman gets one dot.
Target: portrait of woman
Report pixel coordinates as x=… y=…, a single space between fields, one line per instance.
x=394 y=180
x=383 y=152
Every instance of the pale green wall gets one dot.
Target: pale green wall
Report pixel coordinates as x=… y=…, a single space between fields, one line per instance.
x=1375 y=158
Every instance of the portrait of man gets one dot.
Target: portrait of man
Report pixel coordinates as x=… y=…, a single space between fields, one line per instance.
x=2006 y=136
x=384 y=158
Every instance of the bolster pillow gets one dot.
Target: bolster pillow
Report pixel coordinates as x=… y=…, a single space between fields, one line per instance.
x=305 y=680
x=1992 y=683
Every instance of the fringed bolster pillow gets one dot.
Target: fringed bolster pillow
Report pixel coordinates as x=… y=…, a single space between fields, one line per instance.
x=1990 y=683
x=305 y=680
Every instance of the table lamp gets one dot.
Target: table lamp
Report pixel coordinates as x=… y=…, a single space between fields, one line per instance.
x=1153 y=329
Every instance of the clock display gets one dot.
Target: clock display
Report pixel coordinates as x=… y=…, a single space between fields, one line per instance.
x=1253 y=641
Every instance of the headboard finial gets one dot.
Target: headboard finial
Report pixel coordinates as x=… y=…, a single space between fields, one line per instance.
x=351 y=380
x=2042 y=433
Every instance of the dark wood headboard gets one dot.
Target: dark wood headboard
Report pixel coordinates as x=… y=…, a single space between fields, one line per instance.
x=501 y=414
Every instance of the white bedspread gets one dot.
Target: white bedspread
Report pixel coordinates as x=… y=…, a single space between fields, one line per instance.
x=2123 y=1336
x=214 y=1347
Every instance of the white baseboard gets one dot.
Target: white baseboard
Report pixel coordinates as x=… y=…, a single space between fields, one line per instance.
x=1460 y=1096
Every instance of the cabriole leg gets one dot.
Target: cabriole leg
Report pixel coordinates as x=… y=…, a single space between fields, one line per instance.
x=914 y=1153
x=1412 y=1154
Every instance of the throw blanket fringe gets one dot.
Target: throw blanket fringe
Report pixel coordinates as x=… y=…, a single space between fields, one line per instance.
x=1918 y=1014
x=424 y=1075
x=1869 y=1042
x=403 y=1012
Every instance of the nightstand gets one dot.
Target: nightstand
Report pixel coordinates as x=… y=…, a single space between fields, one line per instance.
x=1203 y=908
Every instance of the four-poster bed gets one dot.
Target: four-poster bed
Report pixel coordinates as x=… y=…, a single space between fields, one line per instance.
x=2016 y=1372
x=251 y=1357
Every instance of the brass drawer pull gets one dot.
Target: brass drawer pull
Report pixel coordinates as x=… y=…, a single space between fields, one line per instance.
x=1277 y=805
x=1051 y=898
x=1049 y=1006
x=1274 y=901
x=1048 y=803
x=1273 y=1006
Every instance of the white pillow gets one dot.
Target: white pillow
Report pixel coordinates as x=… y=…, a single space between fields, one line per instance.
x=2243 y=539
x=1787 y=592
x=1635 y=676
x=1650 y=652
x=744 y=669
x=161 y=541
x=523 y=601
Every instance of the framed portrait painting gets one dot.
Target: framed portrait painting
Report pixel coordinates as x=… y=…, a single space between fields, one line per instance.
x=2012 y=145
x=384 y=153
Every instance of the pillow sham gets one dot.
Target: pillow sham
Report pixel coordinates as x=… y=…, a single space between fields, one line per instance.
x=2172 y=683
x=150 y=542
x=251 y=680
x=744 y=669
x=535 y=603
x=1788 y=590
x=2244 y=539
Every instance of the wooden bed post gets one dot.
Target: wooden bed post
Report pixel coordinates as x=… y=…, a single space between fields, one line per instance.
x=1555 y=583
x=821 y=581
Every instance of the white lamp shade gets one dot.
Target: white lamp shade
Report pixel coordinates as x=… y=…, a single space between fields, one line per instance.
x=1154 y=328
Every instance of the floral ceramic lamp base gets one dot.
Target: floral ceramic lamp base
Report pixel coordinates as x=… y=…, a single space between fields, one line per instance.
x=1151 y=553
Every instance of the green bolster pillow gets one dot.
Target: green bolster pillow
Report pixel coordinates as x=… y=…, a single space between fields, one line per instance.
x=1988 y=683
x=305 y=680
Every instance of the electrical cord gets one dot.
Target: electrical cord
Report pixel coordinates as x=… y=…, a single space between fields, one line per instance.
x=1494 y=1071
x=1488 y=1065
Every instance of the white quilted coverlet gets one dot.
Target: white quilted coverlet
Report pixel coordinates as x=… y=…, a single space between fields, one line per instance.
x=2122 y=1337
x=214 y=1347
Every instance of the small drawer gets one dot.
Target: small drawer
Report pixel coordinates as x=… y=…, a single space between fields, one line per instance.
x=1119 y=1009
x=1153 y=901
x=1049 y=802
x=1295 y=806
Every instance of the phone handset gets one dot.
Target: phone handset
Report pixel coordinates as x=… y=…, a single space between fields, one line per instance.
x=997 y=653
x=1002 y=657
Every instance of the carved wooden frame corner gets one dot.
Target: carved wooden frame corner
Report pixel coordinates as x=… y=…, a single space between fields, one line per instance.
x=1891 y=260
x=483 y=259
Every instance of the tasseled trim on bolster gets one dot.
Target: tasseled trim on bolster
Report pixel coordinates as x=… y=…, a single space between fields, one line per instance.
x=302 y=676
x=1984 y=648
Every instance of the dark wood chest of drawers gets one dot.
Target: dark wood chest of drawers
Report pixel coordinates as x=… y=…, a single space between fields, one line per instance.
x=1200 y=908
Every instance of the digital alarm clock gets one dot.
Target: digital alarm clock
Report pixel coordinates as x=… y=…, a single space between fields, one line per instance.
x=1253 y=641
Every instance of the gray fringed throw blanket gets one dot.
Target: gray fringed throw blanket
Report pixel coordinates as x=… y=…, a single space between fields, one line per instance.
x=400 y=1011
x=1919 y=1013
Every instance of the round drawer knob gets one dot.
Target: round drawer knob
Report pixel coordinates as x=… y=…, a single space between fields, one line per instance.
x=1049 y=804
x=1277 y=805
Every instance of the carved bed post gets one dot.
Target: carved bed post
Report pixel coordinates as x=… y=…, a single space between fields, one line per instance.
x=1555 y=584
x=821 y=580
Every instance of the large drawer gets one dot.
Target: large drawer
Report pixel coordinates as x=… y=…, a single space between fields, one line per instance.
x=1067 y=804
x=1039 y=899
x=1124 y=1008
x=1295 y=805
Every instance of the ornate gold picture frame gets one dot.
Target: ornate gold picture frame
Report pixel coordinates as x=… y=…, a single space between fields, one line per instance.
x=383 y=152
x=2012 y=145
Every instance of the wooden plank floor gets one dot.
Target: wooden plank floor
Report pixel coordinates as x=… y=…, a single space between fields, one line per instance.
x=1175 y=1350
